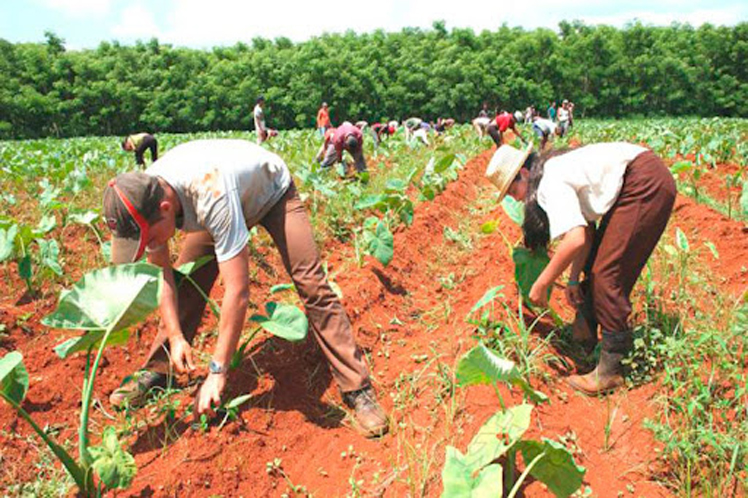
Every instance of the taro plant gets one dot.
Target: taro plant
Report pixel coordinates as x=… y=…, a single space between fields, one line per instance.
x=104 y=303
x=17 y=242
x=490 y=464
x=377 y=240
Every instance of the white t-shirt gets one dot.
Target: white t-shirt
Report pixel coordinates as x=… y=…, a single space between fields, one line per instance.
x=580 y=186
x=547 y=126
x=563 y=115
x=224 y=186
x=259 y=115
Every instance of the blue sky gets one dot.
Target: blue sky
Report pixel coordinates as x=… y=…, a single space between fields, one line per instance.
x=208 y=23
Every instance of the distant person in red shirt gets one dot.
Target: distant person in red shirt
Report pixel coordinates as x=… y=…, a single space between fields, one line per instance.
x=504 y=121
x=323 y=119
x=381 y=130
x=344 y=137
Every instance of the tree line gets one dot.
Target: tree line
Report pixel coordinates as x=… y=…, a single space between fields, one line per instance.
x=47 y=90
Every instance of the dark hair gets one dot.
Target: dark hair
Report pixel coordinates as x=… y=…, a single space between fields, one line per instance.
x=124 y=143
x=535 y=229
x=261 y=98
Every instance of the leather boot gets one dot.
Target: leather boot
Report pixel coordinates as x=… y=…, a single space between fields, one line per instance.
x=608 y=375
x=370 y=416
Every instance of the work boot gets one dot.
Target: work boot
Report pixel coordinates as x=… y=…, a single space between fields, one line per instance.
x=370 y=416
x=134 y=388
x=608 y=374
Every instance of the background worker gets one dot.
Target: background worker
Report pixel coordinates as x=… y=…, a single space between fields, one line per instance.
x=564 y=117
x=411 y=125
x=552 y=111
x=381 y=130
x=323 y=119
x=504 y=121
x=139 y=143
x=481 y=125
x=259 y=117
x=544 y=129
x=346 y=137
x=216 y=190
x=630 y=192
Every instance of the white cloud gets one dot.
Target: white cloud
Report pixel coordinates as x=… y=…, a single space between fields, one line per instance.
x=136 y=22
x=79 y=8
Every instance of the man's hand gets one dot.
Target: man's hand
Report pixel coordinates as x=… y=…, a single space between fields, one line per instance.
x=209 y=395
x=181 y=355
x=539 y=294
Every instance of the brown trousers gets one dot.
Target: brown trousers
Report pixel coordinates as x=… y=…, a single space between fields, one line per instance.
x=626 y=237
x=288 y=225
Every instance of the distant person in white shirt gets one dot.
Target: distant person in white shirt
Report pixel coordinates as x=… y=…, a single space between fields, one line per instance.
x=259 y=118
x=543 y=128
x=563 y=118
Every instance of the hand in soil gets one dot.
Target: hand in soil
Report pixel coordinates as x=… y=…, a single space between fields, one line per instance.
x=539 y=295
x=209 y=395
x=181 y=355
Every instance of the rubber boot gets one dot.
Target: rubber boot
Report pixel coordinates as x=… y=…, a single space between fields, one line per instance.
x=370 y=416
x=608 y=374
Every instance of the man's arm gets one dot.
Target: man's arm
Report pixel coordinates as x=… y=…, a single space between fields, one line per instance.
x=180 y=350
x=233 y=311
x=568 y=250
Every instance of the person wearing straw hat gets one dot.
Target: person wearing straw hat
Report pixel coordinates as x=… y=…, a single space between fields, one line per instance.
x=215 y=191
x=609 y=204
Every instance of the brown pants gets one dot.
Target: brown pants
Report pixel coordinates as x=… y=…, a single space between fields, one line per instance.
x=288 y=225
x=493 y=131
x=626 y=237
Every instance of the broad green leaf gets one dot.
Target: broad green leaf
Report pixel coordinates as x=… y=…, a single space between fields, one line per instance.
x=514 y=209
x=14 y=379
x=444 y=163
x=281 y=288
x=381 y=243
x=458 y=480
x=106 y=250
x=488 y=297
x=681 y=239
x=49 y=255
x=371 y=201
x=681 y=166
x=113 y=298
x=557 y=469
x=284 y=321
x=395 y=185
x=481 y=365
x=114 y=466
x=91 y=339
x=188 y=269
x=528 y=265
x=83 y=218
x=744 y=198
x=46 y=224
x=497 y=435
x=7 y=242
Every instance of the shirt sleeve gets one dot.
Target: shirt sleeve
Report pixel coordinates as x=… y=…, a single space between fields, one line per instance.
x=227 y=226
x=561 y=204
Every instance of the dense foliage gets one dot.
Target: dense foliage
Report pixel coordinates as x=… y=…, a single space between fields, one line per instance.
x=115 y=89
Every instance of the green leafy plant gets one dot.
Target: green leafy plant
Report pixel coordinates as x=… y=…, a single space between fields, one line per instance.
x=378 y=240
x=104 y=303
x=478 y=472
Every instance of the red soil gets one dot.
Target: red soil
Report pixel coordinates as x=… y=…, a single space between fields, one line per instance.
x=399 y=313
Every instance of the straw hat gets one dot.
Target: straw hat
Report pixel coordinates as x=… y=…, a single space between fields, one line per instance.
x=504 y=166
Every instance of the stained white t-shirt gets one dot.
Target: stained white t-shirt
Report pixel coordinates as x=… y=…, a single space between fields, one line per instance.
x=580 y=186
x=224 y=186
x=545 y=125
x=563 y=115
